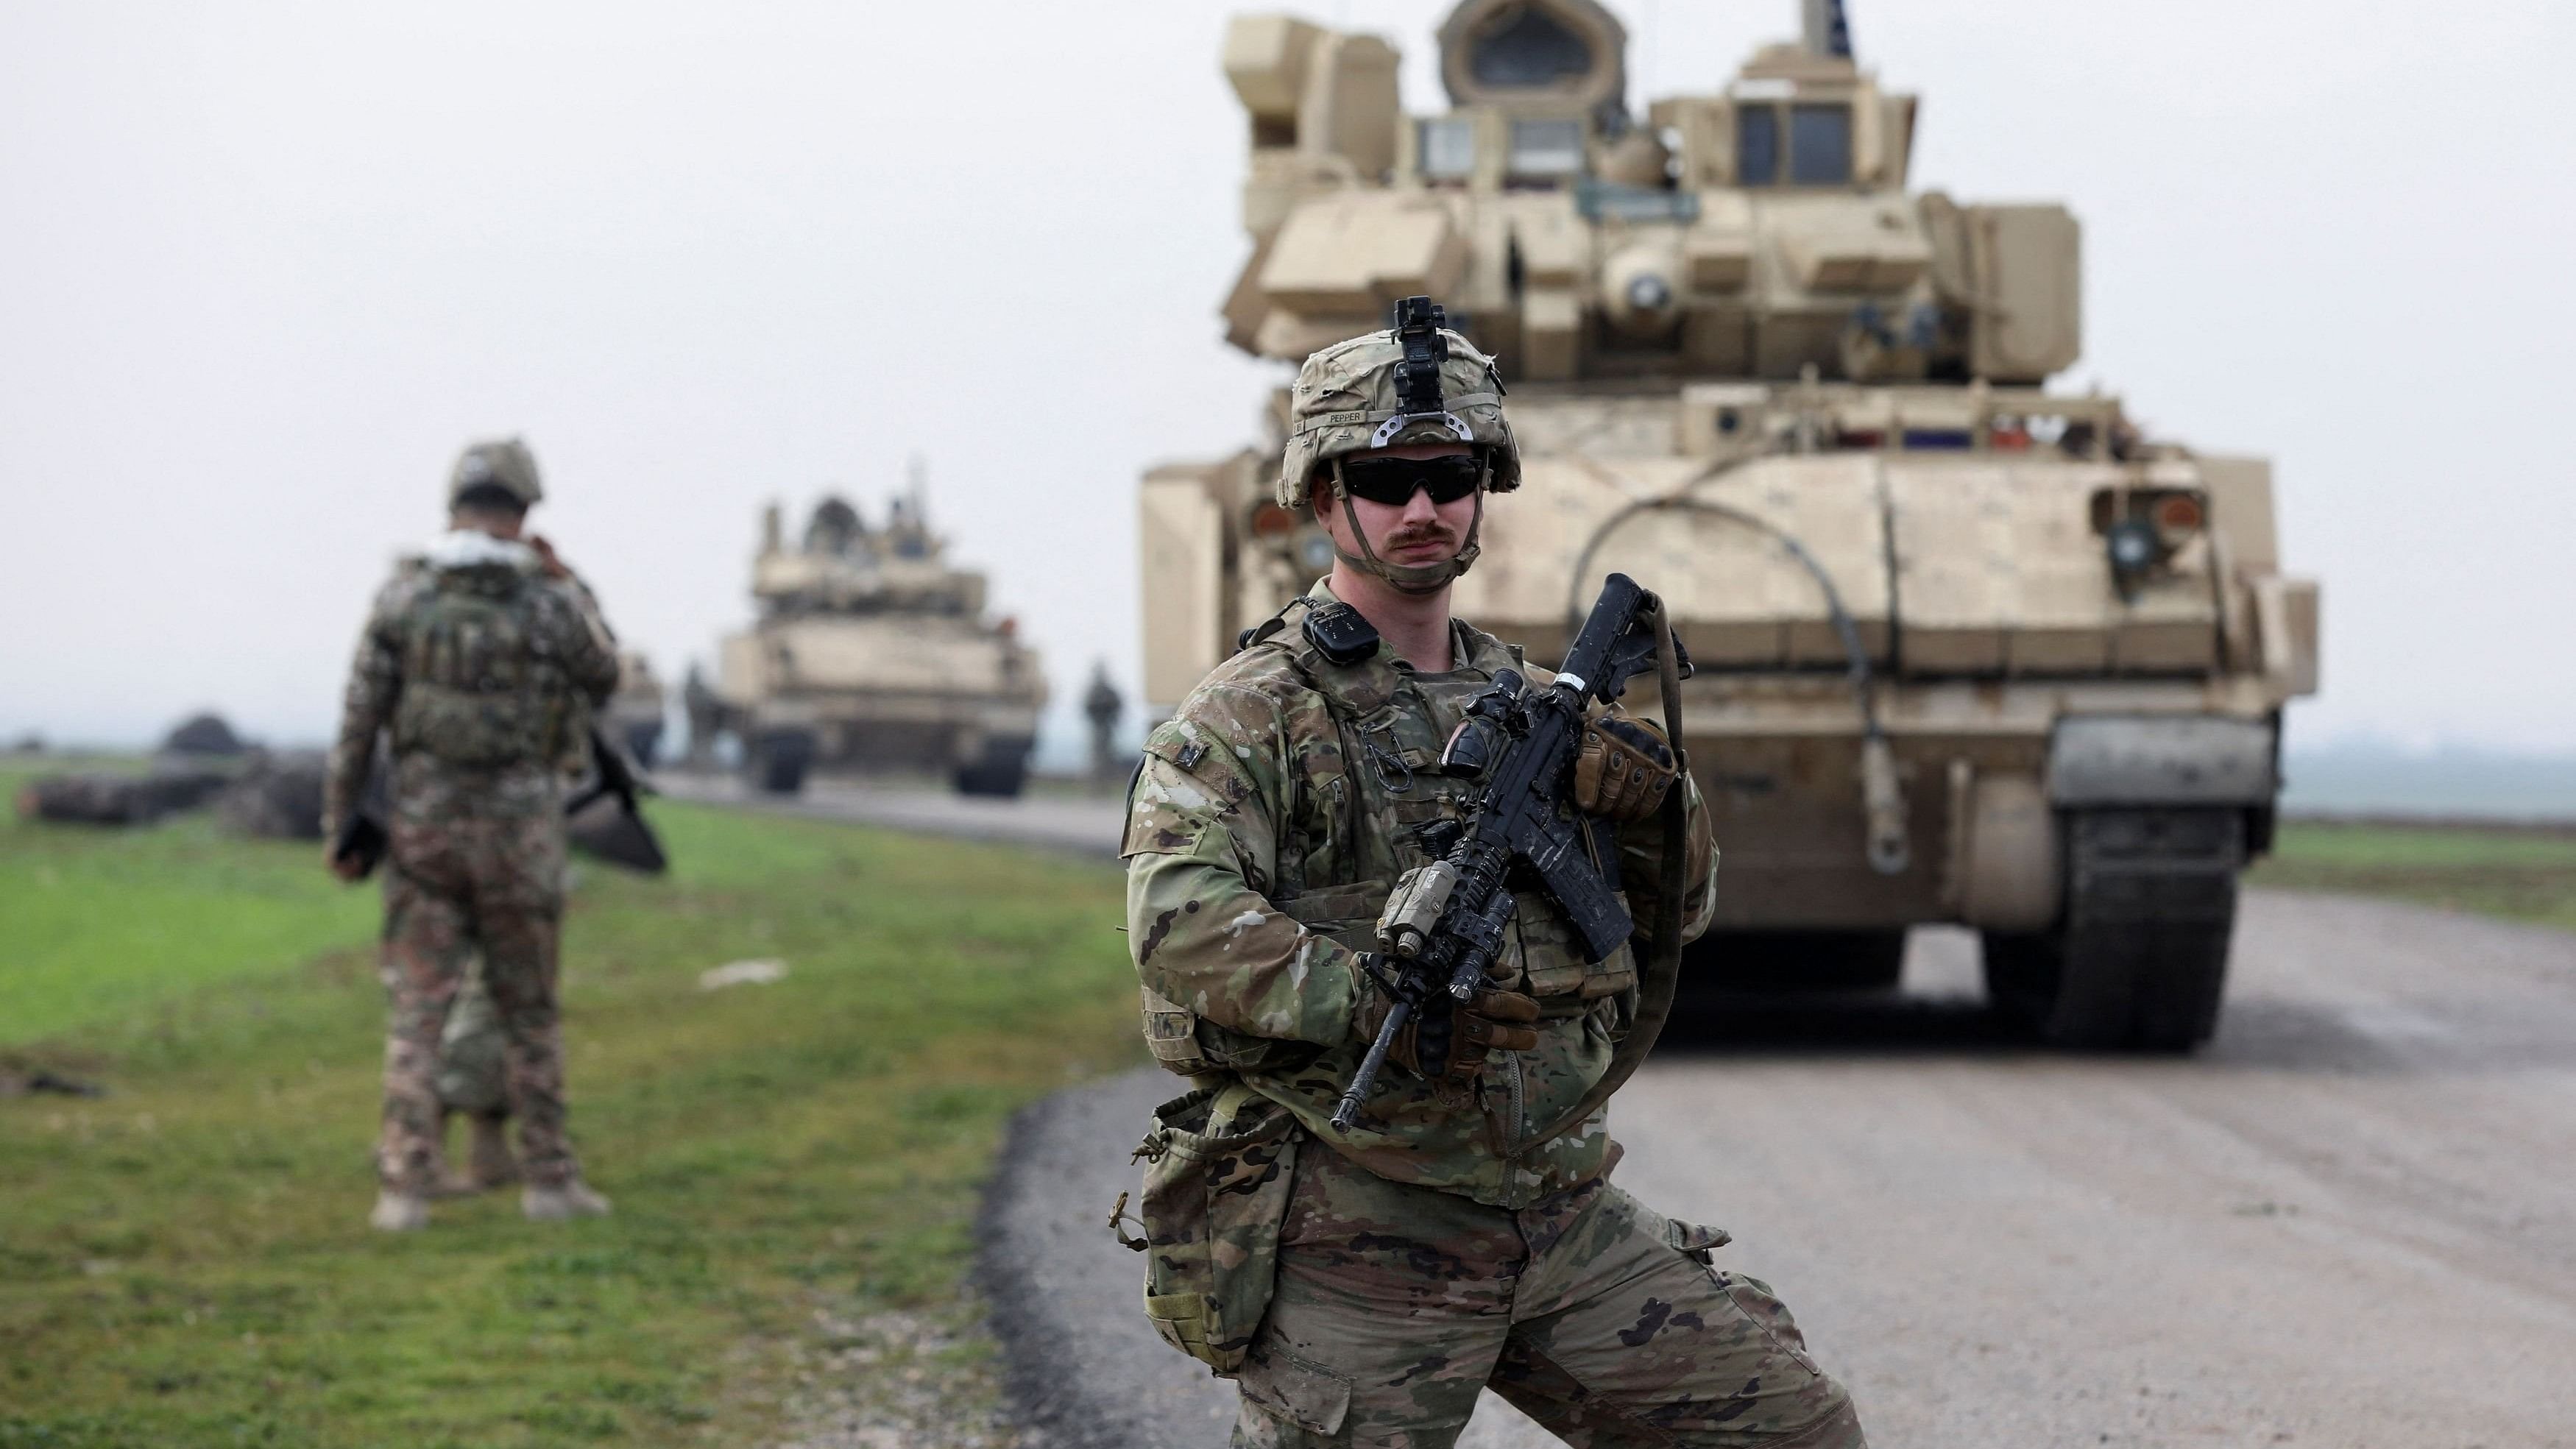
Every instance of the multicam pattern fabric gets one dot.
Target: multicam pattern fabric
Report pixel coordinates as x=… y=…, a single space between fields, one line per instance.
x=1218 y=1166
x=490 y=644
x=1346 y=393
x=1458 y=1237
x=476 y=854
x=1273 y=814
x=452 y=887
x=1396 y=1305
x=473 y=1052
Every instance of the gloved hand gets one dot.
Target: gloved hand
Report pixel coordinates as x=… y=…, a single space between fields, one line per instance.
x=548 y=562
x=1622 y=768
x=1451 y=1041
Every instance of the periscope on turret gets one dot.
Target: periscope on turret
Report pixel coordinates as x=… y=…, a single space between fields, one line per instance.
x=872 y=654
x=1972 y=650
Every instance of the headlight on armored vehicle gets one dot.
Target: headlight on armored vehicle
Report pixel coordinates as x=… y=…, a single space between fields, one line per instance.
x=2178 y=516
x=2143 y=528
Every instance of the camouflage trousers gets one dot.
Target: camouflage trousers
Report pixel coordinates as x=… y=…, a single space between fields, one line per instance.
x=1396 y=1304
x=491 y=886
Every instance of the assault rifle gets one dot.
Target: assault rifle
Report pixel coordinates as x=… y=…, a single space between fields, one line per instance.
x=618 y=835
x=1445 y=923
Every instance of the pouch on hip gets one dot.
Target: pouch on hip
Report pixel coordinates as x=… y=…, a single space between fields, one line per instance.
x=1218 y=1168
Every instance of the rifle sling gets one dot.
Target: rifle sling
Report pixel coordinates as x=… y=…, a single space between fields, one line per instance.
x=1661 y=977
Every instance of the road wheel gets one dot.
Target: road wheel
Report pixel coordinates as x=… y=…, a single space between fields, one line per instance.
x=2140 y=960
x=1796 y=961
x=1002 y=770
x=778 y=759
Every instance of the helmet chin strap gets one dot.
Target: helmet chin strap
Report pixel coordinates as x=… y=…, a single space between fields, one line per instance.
x=1409 y=578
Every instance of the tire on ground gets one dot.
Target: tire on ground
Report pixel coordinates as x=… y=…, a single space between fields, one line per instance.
x=1002 y=769
x=2139 y=960
x=778 y=759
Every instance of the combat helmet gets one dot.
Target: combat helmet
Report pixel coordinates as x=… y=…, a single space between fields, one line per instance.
x=505 y=464
x=1414 y=382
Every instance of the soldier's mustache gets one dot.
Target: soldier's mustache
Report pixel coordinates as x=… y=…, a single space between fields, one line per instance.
x=1427 y=533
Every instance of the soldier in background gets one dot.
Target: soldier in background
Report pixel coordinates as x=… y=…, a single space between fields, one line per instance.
x=706 y=717
x=1102 y=706
x=483 y=660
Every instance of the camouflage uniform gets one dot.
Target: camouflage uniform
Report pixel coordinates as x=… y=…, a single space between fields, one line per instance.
x=481 y=667
x=1362 y=1287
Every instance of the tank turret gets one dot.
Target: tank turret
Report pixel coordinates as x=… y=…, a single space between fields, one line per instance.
x=1971 y=650
x=1759 y=231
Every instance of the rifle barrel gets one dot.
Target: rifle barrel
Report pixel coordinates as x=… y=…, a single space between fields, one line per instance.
x=1347 y=1111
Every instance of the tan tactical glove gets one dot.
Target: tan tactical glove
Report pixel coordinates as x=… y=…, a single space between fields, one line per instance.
x=1451 y=1041
x=1622 y=769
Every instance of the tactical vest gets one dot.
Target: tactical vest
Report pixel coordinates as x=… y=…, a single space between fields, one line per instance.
x=482 y=685
x=1362 y=814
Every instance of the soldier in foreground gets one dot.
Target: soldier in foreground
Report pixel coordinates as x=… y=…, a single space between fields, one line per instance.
x=1363 y=1285
x=483 y=660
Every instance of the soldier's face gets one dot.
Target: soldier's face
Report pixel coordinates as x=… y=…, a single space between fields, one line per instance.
x=1417 y=531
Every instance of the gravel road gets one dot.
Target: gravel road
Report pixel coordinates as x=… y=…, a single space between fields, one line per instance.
x=2350 y=1222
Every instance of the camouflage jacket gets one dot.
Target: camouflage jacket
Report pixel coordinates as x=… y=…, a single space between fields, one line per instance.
x=485 y=672
x=1273 y=814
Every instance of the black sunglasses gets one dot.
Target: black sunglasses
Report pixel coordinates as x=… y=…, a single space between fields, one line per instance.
x=1394 y=481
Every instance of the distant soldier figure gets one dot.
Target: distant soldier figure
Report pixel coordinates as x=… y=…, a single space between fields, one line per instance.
x=484 y=660
x=706 y=717
x=1102 y=706
x=1362 y=1285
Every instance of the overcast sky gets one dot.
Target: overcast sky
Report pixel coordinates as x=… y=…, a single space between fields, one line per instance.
x=265 y=268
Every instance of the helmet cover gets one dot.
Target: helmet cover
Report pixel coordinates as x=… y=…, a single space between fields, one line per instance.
x=505 y=464
x=1348 y=399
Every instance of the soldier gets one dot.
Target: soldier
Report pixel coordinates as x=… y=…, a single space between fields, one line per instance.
x=706 y=717
x=483 y=661
x=1102 y=706
x=1363 y=1287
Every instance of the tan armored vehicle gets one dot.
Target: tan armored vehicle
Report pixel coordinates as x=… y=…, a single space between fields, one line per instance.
x=1969 y=650
x=872 y=654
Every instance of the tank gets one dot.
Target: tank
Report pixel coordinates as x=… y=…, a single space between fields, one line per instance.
x=1970 y=649
x=871 y=654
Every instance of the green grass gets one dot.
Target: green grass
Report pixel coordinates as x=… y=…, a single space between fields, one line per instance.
x=97 y=921
x=2521 y=874
x=185 y=1261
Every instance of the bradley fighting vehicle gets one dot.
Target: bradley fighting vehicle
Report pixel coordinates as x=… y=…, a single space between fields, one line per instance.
x=872 y=653
x=1968 y=650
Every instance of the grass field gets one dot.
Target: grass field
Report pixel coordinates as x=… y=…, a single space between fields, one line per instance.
x=2522 y=873
x=185 y=1260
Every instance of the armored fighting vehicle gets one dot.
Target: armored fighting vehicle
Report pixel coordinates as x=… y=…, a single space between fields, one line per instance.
x=1969 y=650
x=872 y=654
